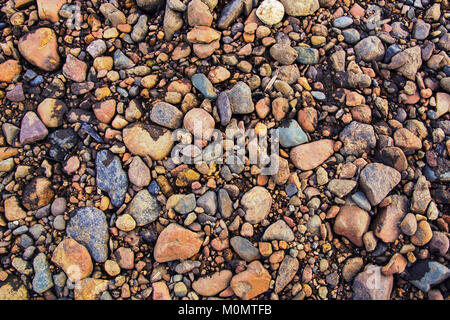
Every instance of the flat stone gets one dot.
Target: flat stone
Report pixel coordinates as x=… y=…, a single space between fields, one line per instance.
x=40 y=48
x=387 y=221
x=370 y=48
x=144 y=208
x=166 y=115
x=300 y=8
x=307 y=56
x=244 y=248
x=11 y=69
x=252 y=282
x=13 y=289
x=32 y=129
x=425 y=273
x=257 y=203
x=111 y=177
x=74 y=259
x=211 y=285
x=270 y=12
x=352 y=222
x=139 y=173
x=311 y=155
x=75 y=69
x=278 y=231
x=291 y=134
x=42 y=280
x=176 y=243
x=377 y=180
x=286 y=272
x=341 y=187
x=37 y=193
x=90 y=289
x=202 y=84
x=357 y=138
x=148 y=140
x=240 y=97
x=421 y=196
x=88 y=226
x=230 y=13
x=52 y=111
x=364 y=288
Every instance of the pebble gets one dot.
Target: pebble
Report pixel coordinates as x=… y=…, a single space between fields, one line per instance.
x=311 y=155
x=213 y=284
x=352 y=222
x=42 y=280
x=291 y=134
x=144 y=208
x=32 y=129
x=256 y=203
x=111 y=177
x=270 y=12
x=244 y=248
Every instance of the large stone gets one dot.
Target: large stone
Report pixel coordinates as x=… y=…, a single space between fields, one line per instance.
x=257 y=203
x=252 y=282
x=371 y=284
x=377 y=180
x=88 y=226
x=13 y=210
x=387 y=221
x=90 y=289
x=74 y=259
x=421 y=196
x=40 y=48
x=244 y=248
x=112 y=14
x=211 y=285
x=412 y=61
x=311 y=155
x=52 y=111
x=75 y=69
x=13 y=289
x=42 y=280
x=291 y=134
x=199 y=123
x=198 y=14
x=148 y=140
x=176 y=243
x=230 y=13
x=173 y=22
x=270 y=12
x=352 y=222
x=150 y=5
x=425 y=273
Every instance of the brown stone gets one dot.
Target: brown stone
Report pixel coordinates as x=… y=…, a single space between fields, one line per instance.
x=10 y=70
x=13 y=210
x=311 y=155
x=37 y=193
x=396 y=264
x=202 y=34
x=352 y=222
x=252 y=282
x=40 y=48
x=160 y=291
x=213 y=284
x=90 y=289
x=176 y=243
x=74 y=259
x=49 y=9
x=52 y=111
x=423 y=234
x=387 y=221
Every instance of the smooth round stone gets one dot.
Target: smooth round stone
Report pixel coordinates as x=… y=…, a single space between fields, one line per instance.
x=360 y=199
x=270 y=12
x=202 y=84
x=166 y=115
x=318 y=95
x=351 y=36
x=307 y=55
x=125 y=222
x=291 y=134
x=343 y=22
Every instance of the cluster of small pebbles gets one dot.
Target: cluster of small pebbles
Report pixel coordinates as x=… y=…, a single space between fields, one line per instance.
x=94 y=206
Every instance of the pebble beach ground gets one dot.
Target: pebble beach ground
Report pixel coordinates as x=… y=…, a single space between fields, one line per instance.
x=348 y=99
